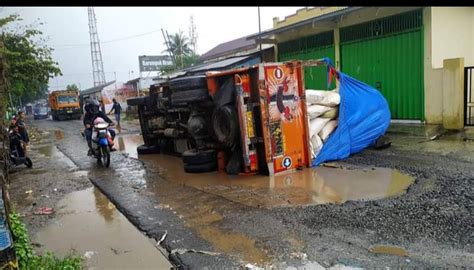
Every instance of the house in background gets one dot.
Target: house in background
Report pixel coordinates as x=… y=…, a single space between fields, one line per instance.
x=419 y=58
x=237 y=47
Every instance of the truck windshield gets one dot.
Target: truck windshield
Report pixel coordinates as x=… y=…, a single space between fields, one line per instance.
x=67 y=99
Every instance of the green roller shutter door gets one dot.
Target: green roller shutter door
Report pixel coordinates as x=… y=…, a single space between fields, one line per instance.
x=307 y=48
x=388 y=54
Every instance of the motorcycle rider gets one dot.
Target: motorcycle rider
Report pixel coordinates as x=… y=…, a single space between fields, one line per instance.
x=92 y=112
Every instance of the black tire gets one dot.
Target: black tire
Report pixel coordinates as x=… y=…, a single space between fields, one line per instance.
x=188 y=83
x=189 y=96
x=200 y=168
x=196 y=157
x=105 y=156
x=225 y=125
x=135 y=101
x=28 y=162
x=146 y=150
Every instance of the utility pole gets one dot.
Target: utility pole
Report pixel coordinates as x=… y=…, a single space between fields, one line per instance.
x=167 y=42
x=259 y=35
x=97 y=64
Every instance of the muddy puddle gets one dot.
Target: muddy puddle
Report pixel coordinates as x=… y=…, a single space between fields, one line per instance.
x=52 y=152
x=128 y=144
x=310 y=186
x=59 y=134
x=389 y=250
x=88 y=223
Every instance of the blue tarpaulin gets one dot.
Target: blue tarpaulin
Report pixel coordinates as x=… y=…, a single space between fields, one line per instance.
x=364 y=116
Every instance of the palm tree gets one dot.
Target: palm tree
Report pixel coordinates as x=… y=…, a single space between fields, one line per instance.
x=179 y=46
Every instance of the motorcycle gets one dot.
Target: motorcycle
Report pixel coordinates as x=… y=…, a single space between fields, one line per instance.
x=102 y=143
x=18 y=156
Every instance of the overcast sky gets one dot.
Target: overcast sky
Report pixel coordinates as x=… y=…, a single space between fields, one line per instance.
x=68 y=31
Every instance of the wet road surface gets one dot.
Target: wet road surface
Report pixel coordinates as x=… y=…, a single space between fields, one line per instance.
x=90 y=224
x=322 y=217
x=84 y=221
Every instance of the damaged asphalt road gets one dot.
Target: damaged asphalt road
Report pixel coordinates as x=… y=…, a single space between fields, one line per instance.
x=430 y=226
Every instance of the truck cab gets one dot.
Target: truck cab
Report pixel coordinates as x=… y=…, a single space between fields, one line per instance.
x=64 y=105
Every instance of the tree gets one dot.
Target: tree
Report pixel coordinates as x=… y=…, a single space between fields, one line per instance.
x=72 y=87
x=28 y=59
x=191 y=60
x=179 y=47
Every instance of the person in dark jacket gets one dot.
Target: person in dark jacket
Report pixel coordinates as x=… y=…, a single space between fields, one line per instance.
x=20 y=123
x=92 y=112
x=117 y=111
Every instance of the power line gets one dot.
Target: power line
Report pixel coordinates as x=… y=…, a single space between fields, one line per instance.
x=69 y=46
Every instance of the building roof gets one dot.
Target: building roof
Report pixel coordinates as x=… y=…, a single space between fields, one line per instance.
x=303 y=23
x=228 y=47
x=220 y=64
x=95 y=89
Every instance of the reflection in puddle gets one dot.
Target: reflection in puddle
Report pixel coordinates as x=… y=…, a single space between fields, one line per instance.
x=52 y=152
x=201 y=212
x=129 y=144
x=58 y=134
x=391 y=250
x=89 y=222
x=310 y=186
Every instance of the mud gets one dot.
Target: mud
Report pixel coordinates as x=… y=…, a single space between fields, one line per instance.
x=391 y=250
x=88 y=223
x=84 y=221
x=249 y=221
x=307 y=187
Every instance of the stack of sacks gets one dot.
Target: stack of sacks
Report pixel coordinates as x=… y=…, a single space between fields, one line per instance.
x=323 y=111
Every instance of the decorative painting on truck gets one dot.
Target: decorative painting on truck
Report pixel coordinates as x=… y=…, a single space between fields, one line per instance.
x=285 y=97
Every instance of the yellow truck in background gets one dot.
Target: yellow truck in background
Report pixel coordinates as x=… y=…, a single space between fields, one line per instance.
x=64 y=105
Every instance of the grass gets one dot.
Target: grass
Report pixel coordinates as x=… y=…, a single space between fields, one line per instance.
x=28 y=259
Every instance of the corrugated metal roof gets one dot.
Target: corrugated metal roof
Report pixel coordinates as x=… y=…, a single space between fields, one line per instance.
x=227 y=47
x=95 y=89
x=221 y=64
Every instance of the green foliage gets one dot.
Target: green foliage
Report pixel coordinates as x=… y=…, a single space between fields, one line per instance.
x=72 y=87
x=179 y=46
x=29 y=60
x=27 y=258
x=191 y=60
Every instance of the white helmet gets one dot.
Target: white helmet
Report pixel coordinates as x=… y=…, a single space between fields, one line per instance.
x=99 y=120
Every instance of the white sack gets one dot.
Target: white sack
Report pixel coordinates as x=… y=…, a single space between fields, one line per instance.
x=316 y=145
x=320 y=97
x=316 y=125
x=317 y=110
x=331 y=114
x=327 y=130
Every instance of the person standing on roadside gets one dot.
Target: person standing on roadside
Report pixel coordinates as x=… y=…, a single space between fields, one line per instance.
x=20 y=123
x=117 y=111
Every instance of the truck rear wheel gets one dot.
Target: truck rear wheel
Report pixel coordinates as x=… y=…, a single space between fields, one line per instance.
x=196 y=157
x=146 y=150
x=225 y=126
x=200 y=168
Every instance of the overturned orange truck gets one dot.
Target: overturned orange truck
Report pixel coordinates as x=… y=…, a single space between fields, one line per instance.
x=253 y=120
x=249 y=120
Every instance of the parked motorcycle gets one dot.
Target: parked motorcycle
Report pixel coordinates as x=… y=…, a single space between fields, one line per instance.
x=102 y=143
x=17 y=153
